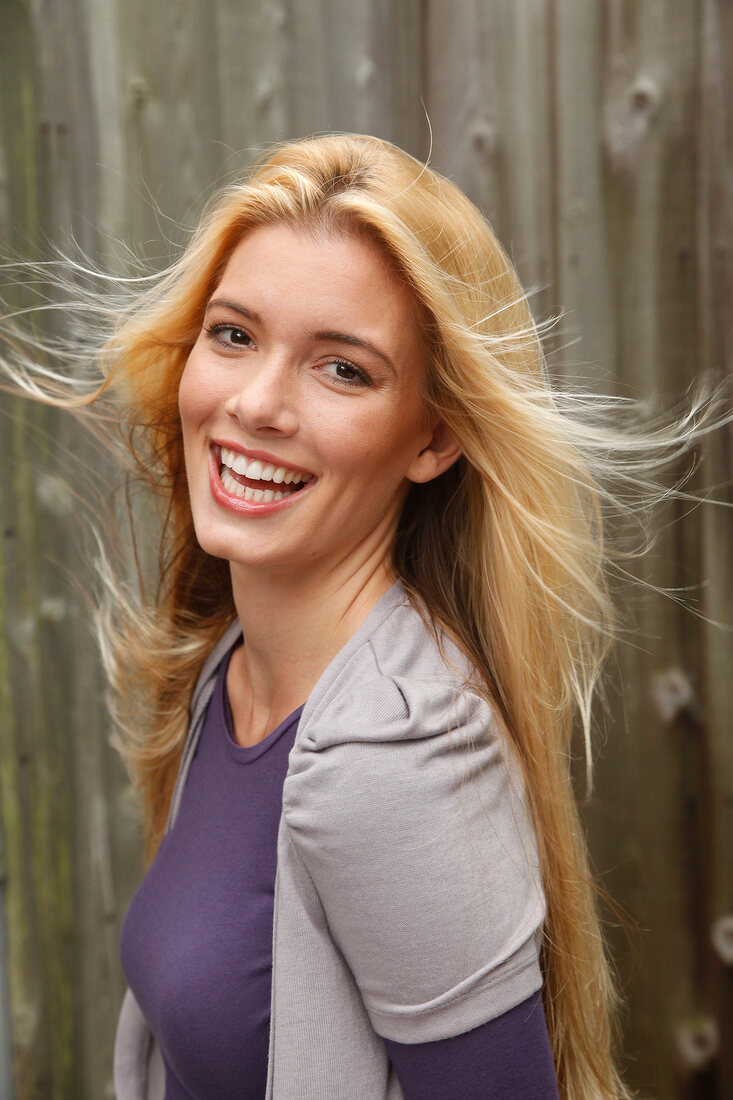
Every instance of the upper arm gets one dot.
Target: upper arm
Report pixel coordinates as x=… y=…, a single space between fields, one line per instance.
x=423 y=856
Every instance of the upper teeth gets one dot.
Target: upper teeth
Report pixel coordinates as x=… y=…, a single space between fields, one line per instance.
x=257 y=470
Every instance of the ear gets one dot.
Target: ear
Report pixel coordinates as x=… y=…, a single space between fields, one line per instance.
x=441 y=452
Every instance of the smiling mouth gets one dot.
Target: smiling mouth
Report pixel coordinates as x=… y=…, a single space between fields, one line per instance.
x=255 y=480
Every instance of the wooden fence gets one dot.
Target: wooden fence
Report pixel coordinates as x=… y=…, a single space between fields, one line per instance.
x=598 y=139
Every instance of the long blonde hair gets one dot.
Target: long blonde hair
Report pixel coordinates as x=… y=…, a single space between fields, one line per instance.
x=505 y=551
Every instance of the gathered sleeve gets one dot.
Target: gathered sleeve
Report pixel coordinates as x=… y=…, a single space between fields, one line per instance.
x=408 y=814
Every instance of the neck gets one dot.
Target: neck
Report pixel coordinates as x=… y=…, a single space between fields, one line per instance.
x=294 y=624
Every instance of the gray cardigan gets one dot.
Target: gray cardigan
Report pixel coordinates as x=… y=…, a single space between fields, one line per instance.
x=408 y=901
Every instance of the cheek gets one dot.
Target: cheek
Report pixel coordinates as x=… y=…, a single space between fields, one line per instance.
x=375 y=450
x=192 y=394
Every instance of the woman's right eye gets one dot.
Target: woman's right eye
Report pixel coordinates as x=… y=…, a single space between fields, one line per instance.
x=228 y=336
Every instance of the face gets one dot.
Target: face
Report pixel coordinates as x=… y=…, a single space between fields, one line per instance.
x=303 y=423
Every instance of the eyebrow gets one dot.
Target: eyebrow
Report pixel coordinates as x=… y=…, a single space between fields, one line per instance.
x=326 y=334
x=225 y=303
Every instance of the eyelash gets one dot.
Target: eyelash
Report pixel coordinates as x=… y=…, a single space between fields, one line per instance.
x=362 y=378
x=214 y=332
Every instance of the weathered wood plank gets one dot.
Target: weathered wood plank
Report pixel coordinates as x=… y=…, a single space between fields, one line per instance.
x=658 y=772
x=461 y=98
x=582 y=285
x=714 y=270
x=33 y=814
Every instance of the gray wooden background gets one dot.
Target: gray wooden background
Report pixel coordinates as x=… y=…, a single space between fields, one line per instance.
x=597 y=136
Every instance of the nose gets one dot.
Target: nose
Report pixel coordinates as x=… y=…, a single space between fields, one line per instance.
x=265 y=402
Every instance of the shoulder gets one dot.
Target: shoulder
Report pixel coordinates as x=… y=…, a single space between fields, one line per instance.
x=399 y=683
x=400 y=741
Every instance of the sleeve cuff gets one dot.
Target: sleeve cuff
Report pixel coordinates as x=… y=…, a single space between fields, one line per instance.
x=482 y=997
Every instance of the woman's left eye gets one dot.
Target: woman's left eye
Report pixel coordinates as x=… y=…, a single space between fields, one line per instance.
x=346 y=374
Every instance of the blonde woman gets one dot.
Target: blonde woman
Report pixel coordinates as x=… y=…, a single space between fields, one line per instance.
x=348 y=711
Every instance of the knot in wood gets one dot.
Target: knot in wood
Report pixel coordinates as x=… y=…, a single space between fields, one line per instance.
x=53 y=609
x=483 y=138
x=644 y=96
x=265 y=92
x=139 y=91
x=54 y=494
x=672 y=694
x=721 y=936
x=365 y=72
x=628 y=114
x=698 y=1042
x=278 y=16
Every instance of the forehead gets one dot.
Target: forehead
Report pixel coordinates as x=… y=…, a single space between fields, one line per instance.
x=322 y=277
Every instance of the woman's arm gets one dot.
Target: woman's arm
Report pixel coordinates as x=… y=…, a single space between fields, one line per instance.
x=508 y=1058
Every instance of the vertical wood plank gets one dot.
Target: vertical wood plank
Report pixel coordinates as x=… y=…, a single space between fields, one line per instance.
x=461 y=98
x=488 y=93
x=657 y=770
x=582 y=274
x=34 y=816
x=714 y=269
x=63 y=933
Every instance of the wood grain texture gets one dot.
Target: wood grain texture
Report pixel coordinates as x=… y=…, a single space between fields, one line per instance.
x=714 y=270
x=598 y=139
x=650 y=180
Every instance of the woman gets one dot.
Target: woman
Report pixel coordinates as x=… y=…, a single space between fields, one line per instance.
x=382 y=566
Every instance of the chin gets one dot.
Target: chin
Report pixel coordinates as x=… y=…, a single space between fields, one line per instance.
x=237 y=551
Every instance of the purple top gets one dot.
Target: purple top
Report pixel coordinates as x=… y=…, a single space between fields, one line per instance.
x=508 y=1058
x=196 y=944
x=197 y=939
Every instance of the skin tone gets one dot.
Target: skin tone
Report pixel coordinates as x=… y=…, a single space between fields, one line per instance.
x=309 y=359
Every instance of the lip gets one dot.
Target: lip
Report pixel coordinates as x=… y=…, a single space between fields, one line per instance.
x=249 y=507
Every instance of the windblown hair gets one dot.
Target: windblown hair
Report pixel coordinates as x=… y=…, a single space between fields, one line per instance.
x=505 y=551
